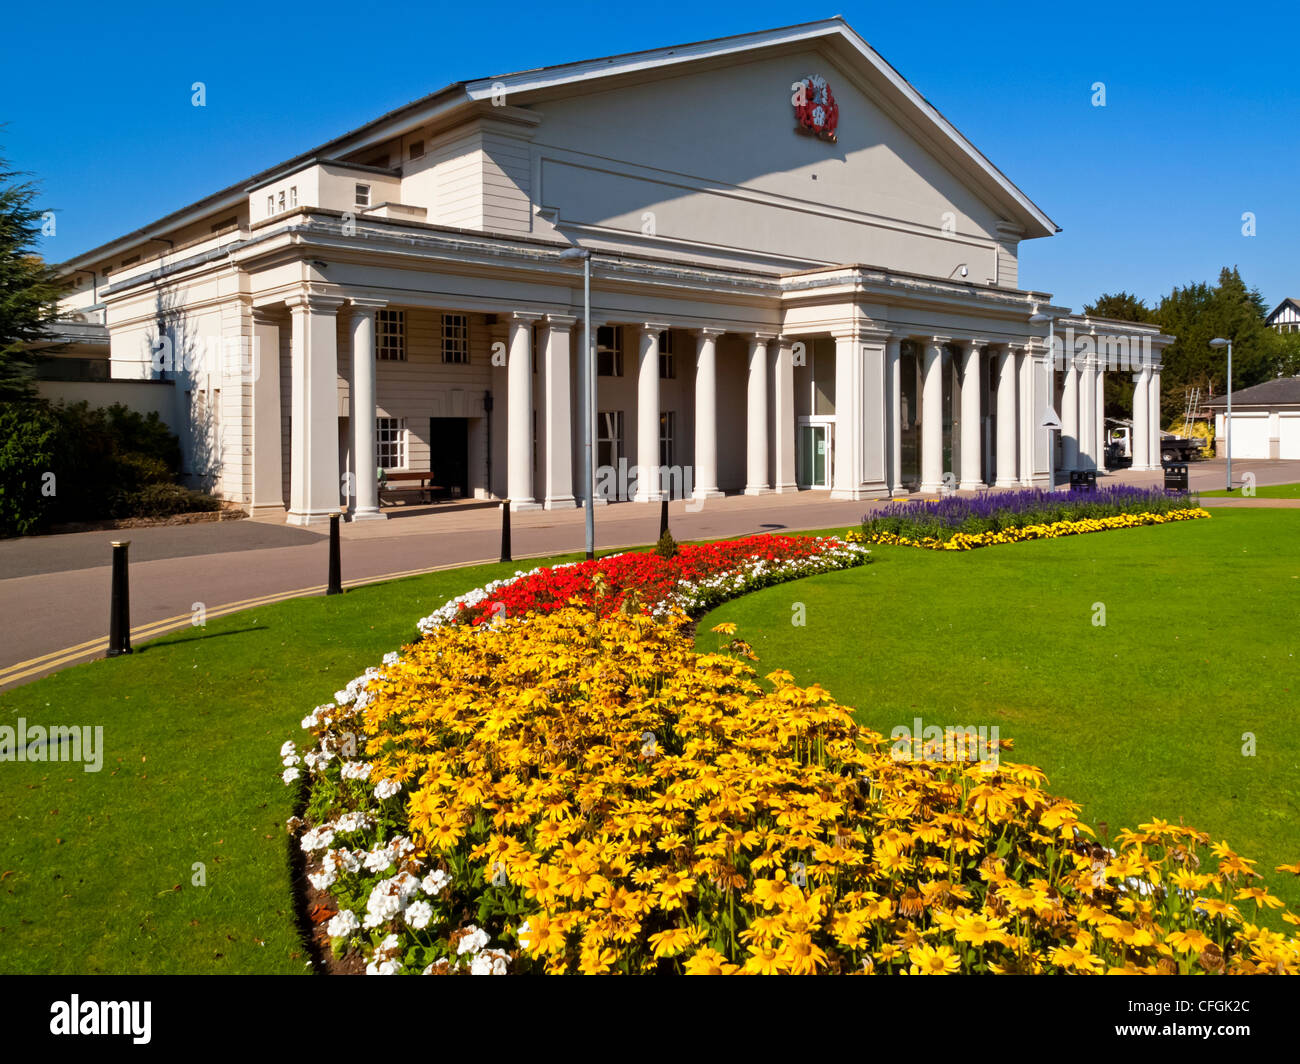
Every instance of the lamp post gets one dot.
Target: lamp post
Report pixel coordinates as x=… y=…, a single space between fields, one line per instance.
x=1050 y=321
x=587 y=384
x=1218 y=341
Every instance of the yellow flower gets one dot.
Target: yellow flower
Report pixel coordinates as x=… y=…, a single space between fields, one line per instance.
x=933 y=960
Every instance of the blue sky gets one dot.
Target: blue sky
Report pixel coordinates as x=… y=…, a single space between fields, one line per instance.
x=1198 y=128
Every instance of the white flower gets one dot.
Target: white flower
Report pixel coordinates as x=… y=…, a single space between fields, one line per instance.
x=391 y=658
x=386 y=789
x=379 y=860
x=344 y=923
x=418 y=914
x=288 y=749
x=473 y=941
x=356 y=770
x=438 y=967
x=490 y=962
x=290 y=774
x=383 y=968
x=317 y=839
x=389 y=899
x=435 y=882
x=522 y=935
x=353 y=821
x=321 y=880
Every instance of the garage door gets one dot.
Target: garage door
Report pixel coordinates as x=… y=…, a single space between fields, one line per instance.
x=1249 y=435
x=1289 y=436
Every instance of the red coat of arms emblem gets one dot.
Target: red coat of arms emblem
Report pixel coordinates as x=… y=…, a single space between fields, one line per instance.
x=815 y=107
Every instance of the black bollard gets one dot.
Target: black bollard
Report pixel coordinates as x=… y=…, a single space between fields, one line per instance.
x=336 y=567
x=119 y=607
x=505 y=531
x=663 y=516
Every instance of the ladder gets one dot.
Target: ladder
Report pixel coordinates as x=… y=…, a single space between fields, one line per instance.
x=1193 y=407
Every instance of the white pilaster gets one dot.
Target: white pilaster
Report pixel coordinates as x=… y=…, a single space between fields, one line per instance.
x=783 y=428
x=756 y=472
x=649 y=481
x=970 y=475
x=894 y=413
x=1153 y=417
x=519 y=413
x=268 y=452
x=706 y=414
x=931 y=417
x=557 y=413
x=1006 y=460
x=314 y=480
x=1100 y=412
x=364 y=504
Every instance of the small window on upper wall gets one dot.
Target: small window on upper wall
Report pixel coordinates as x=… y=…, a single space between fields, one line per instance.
x=293 y=195
x=363 y=195
x=667 y=368
x=270 y=204
x=281 y=199
x=417 y=149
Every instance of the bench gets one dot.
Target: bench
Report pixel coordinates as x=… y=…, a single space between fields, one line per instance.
x=412 y=481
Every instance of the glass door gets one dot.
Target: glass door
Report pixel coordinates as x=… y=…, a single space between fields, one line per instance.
x=814 y=456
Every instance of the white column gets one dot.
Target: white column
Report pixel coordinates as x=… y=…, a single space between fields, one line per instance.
x=706 y=414
x=648 y=480
x=1153 y=417
x=1140 y=435
x=268 y=451
x=894 y=413
x=1100 y=412
x=931 y=417
x=1006 y=460
x=519 y=413
x=361 y=412
x=1028 y=419
x=970 y=476
x=557 y=413
x=314 y=477
x=756 y=474
x=1070 y=415
x=1087 y=413
x=783 y=413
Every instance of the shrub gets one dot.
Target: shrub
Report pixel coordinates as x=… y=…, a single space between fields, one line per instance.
x=165 y=500
x=30 y=442
x=666 y=547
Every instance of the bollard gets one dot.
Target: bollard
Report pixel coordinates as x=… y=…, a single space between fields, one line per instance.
x=119 y=607
x=663 y=516
x=336 y=567
x=505 y=531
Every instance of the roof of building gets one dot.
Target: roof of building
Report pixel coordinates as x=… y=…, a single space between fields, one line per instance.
x=1294 y=303
x=1282 y=391
x=465 y=94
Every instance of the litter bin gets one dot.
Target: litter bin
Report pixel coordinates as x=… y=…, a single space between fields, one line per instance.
x=1176 y=476
x=1083 y=480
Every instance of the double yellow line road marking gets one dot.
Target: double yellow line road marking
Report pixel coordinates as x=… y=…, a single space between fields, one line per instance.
x=94 y=647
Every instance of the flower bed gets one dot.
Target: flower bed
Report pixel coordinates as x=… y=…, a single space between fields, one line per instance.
x=564 y=792
x=695 y=579
x=971 y=540
x=997 y=518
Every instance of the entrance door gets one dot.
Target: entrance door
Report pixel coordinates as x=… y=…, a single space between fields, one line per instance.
x=449 y=454
x=814 y=456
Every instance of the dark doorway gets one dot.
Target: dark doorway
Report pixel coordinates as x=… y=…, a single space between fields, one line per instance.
x=449 y=454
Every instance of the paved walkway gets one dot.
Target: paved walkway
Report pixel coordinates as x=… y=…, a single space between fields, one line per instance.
x=55 y=589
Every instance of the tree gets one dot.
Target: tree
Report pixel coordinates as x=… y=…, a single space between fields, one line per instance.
x=29 y=289
x=1121 y=306
x=1198 y=313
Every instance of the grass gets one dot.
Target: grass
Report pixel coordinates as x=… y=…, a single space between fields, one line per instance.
x=1269 y=491
x=97 y=870
x=1141 y=718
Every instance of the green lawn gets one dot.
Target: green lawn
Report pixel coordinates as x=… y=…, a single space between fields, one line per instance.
x=96 y=869
x=1272 y=491
x=1143 y=717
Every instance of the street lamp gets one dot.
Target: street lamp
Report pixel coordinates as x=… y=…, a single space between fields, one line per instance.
x=1050 y=321
x=1218 y=341
x=588 y=387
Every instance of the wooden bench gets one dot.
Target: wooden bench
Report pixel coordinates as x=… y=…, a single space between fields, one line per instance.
x=412 y=481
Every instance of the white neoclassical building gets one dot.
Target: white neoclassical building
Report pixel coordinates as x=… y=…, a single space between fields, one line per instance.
x=803 y=277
